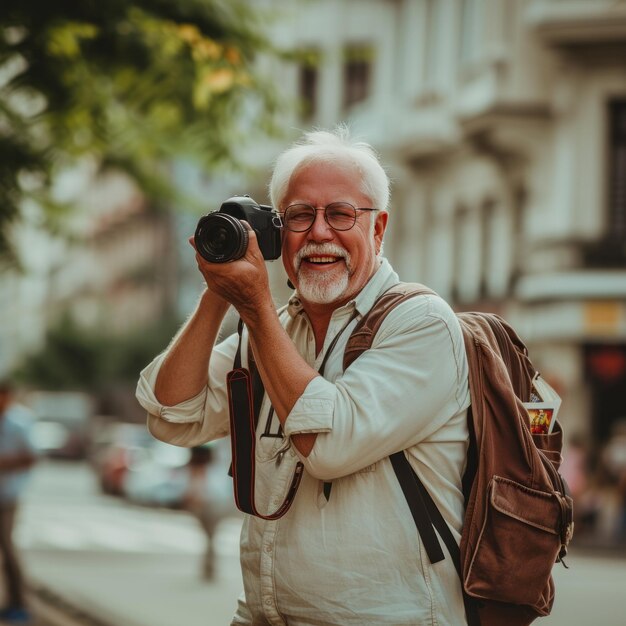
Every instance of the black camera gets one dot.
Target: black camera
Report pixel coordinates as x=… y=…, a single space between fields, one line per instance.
x=221 y=237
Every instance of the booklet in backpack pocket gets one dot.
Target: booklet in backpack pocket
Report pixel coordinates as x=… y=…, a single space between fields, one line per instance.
x=543 y=407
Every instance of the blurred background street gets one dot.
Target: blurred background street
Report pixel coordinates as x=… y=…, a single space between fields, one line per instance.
x=97 y=559
x=119 y=562
x=503 y=127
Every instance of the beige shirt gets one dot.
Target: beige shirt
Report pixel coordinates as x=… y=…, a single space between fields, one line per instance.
x=357 y=558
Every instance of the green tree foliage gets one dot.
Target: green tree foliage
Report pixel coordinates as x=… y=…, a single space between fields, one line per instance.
x=71 y=359
x=130 y=82
x=74 y=357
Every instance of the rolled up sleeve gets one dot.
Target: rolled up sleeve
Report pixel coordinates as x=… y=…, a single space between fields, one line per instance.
x=313 y=412
x=190 y=410
x=196 y=420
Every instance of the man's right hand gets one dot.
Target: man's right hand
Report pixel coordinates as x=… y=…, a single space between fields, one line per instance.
x=244 y=283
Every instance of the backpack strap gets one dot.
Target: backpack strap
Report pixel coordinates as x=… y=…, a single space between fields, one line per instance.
x=425 y=512
x=418 y=500
x=414 y=491
x=427 y=518
x=363 y=335
x=364 y=332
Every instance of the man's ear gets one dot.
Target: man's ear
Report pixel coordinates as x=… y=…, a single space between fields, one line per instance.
x=380 y=225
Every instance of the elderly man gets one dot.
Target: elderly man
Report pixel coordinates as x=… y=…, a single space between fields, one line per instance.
x=352 y=556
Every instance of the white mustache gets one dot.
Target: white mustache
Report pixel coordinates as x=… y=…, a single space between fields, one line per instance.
x=321 y=249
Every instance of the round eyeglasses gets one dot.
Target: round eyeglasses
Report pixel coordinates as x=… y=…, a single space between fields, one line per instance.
x=298 y=218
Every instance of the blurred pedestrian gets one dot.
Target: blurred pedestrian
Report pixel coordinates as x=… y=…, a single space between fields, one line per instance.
x=209 y=497
x=577 y=472
x=614 y=460
x=17 y=456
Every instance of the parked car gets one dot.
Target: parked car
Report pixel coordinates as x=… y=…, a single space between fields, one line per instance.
x=61 y=429
x=159 y=478
x=129 y=462
x=115 y=448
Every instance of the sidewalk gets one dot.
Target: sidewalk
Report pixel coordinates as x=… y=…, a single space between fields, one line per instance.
x=152 y=592
x=145 y=591
x=96 y=561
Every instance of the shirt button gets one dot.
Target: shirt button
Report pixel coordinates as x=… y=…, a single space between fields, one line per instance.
x=268 y=548
x=268 y=601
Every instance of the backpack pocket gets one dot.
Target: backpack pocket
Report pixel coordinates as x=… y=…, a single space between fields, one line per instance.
x=517 y=546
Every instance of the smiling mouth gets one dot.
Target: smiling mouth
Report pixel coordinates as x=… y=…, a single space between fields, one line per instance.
x=322 y=260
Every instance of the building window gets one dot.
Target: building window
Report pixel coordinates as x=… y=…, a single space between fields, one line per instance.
x=471 y=21
x=498 y=237
x=308 y=75
x=490 y=250
x=468 y=246
x=357 y=74
x=610 y=250
x=617 y=169
x=430 y=58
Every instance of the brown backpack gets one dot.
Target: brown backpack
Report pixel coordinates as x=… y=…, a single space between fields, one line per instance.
x=518 y=517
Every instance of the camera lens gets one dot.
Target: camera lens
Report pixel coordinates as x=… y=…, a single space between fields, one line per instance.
x=220 y=238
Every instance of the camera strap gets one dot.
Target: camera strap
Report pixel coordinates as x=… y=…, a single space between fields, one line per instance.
x=245 y=395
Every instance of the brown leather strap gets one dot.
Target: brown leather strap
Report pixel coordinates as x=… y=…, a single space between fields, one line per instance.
x=365 y=331
x=245 y=395
x=426 y=515
x=244 y=412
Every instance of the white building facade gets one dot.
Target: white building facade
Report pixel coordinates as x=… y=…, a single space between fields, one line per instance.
x=503 y=125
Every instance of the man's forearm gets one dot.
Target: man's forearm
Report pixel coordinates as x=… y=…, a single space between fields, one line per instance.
x=284 y=372
x=244 y=283
x=184 y=371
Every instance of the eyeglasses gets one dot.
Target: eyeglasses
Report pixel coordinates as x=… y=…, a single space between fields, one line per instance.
x=298 y=218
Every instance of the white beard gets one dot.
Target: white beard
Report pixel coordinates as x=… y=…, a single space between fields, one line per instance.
x=323 y=287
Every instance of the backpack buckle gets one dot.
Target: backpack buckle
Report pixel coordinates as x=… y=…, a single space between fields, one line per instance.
x=567 y=519
x=568 y=533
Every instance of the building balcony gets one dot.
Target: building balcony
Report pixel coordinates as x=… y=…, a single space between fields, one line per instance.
x=573 y=285
x=577 y=22
x=580 y=306
x=409 y=132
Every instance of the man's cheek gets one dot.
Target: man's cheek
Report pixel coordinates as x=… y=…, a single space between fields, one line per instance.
x=289 y=260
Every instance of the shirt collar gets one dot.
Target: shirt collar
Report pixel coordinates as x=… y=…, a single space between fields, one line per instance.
x=383 y=278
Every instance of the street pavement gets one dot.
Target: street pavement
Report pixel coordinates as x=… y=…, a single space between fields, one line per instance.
x=121 y=564
x=114 y=564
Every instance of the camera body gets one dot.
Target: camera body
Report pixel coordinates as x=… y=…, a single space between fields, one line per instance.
x=221 y=237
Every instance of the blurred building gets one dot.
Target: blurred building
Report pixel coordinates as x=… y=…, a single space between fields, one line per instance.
x=117 y=277
x=118 y=270
x=503 y=125
x=504 y=128
x=111 y=274
x=22 y=326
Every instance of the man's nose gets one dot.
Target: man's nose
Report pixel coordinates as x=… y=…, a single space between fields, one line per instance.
x=320 y=230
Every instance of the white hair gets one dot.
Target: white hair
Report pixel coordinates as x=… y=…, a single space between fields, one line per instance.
x=334 y=146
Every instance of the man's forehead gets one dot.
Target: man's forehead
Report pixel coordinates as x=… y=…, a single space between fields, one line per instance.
x=325 y=182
